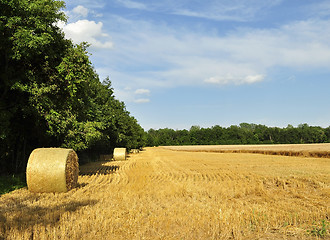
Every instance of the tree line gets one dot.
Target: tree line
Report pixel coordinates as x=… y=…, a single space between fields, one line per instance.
x=243 y=133
x=50 y=94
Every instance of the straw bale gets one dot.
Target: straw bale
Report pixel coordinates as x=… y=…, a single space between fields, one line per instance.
x=52 y=170
x=134 y=151
x=119 y=154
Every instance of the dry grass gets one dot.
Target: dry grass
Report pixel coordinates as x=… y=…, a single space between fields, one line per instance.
x=303 y=150
x=164 y=194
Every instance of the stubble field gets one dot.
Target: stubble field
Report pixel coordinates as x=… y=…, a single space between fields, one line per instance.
x=165 y=194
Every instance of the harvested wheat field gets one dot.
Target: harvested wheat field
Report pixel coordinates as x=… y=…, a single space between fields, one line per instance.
x=304 y=150
x=165 y=194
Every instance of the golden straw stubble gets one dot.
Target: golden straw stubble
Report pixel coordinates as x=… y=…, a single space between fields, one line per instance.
x=52 y=170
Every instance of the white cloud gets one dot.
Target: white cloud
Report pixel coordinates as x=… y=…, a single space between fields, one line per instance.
x=154 y=55
x=80 y=11
x=128 y=95
x=254 y=78
x=237 y=80
x=142 y=91
x=142 y=100
x=87 y=31
x=123 y=94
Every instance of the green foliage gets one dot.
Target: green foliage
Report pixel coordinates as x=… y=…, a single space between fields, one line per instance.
x=50 y=94
x=245 y=133
x=11 y=182
x=31 y=45
x=319 y=231
x=64 y=101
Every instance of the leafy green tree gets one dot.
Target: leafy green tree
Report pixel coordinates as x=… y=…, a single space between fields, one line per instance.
x=263 y=134
x=64 y=100
x=244 y=133
x=311 y=134
x=182 y=137
x=194 y=134
x=50 y=94
x=31 y=44
x=327 y=134
x=218 y=134
x=152 y=138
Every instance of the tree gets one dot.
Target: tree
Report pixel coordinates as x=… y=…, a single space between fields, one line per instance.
x=50 y=94
x=31 y=44
x=245 y=133
x=327 y=134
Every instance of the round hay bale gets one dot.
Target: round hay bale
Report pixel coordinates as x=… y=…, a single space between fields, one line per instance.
x=119 y=154
x=134 y=151
x=52 y=170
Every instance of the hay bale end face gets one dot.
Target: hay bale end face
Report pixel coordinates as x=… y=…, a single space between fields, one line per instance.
x=52 y=170
x=119 y=154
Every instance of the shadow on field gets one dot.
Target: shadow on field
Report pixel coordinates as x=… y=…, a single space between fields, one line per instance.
x=17 y=214
x=97 y=168
x=106 y=157
x=81 y=185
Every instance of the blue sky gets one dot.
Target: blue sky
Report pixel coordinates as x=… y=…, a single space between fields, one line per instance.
x=178 y=63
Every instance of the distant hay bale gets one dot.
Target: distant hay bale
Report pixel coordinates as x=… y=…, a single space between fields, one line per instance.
x=134 y=151
x=52 y=170
x=119 y=154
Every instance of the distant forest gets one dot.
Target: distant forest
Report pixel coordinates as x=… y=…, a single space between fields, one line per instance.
x=244 y=133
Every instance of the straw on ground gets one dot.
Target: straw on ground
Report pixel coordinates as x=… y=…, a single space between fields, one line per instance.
x=165 y=194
